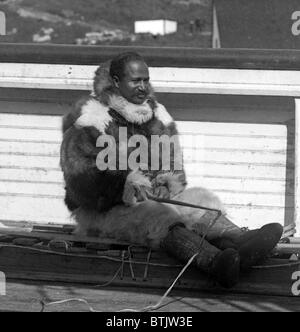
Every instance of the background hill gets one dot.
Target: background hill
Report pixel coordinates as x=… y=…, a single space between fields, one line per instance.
x=66 y=21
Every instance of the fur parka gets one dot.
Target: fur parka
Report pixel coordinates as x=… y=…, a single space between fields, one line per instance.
x=104 y=112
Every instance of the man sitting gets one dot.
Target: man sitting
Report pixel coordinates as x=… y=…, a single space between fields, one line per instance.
x=110 y=199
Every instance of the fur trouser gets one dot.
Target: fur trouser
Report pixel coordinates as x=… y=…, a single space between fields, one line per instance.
x=148 y=223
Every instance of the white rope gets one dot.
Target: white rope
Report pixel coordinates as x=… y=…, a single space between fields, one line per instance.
x=44 y=305
x=160 y=302
x=91 y=309
x=147 y=309
x=112 y=280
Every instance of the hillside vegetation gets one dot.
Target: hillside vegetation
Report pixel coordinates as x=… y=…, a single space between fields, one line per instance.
x=72 y=19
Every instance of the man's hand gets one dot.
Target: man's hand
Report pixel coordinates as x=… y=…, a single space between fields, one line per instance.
x=136 y=187
x=161 y=192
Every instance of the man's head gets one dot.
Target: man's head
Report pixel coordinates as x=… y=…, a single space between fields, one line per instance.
x=130 y=74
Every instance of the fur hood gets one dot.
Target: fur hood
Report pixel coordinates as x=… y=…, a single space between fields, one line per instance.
x=107 y=94
x=93 y=111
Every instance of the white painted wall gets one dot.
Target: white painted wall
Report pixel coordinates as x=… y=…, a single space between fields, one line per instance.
x=169 y=80
x=245 y=164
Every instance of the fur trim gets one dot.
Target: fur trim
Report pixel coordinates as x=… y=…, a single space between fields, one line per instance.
x=162 y=115
x=106 y=92
x=103 y=84
x=94 y=114
x=102 y=79
x=174 y=182
x=133 y=113
x=135 y=180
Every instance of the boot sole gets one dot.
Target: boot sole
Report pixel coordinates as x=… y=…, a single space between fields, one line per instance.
x=260 y=246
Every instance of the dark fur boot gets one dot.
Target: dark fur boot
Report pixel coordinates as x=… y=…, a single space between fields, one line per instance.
x=222 y=266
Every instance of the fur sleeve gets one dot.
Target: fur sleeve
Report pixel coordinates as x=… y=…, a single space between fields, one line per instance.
x=86 y=185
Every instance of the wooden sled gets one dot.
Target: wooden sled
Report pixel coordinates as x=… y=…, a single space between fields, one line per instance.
x=52 y=253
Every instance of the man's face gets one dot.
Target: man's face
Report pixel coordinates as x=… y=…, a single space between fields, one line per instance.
x=134 y=85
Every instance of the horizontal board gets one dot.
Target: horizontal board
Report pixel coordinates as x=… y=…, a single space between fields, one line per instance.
x=46 y=83
x=45 y=71
x=254 y=217
x=31 y=149
x=242 y=185
x=232 y=129
x=223 y=76
x=36 y=135
x=35 y=189
x=256 y=199
x=197 y=140
x=36 y=175
x=164 y=79
x=42 y=210
x=30 y=121
x=237 y=171
x=234 y=156
x=31 y=106
x=26 y=162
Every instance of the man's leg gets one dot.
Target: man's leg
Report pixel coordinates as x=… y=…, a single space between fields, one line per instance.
x=146 y=223
x=222 y=266
x=252 y=245
x=160 y=226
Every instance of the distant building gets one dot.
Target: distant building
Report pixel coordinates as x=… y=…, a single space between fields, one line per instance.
x=43 y=36
x=97 y=38
x=155 y=27
x=2 y=24
x=260 y=24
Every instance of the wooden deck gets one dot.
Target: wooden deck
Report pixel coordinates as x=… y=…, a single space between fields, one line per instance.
x=50 y=264
x=27 y=296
